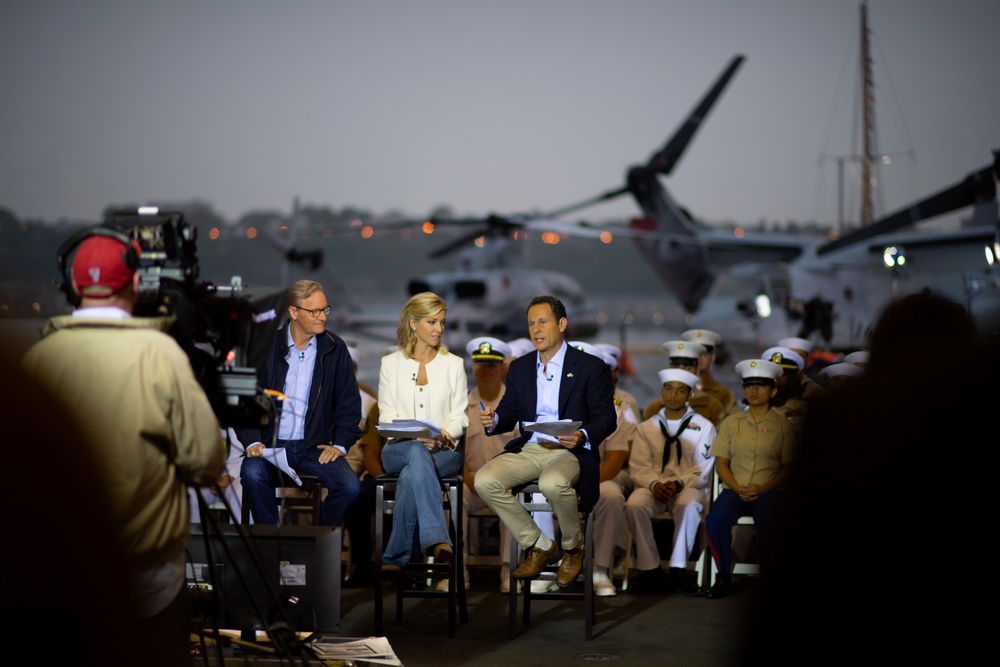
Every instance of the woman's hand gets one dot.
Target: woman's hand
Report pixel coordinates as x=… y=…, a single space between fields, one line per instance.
x=435 y=445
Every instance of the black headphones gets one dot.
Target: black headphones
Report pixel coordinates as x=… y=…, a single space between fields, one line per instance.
x=130 y=256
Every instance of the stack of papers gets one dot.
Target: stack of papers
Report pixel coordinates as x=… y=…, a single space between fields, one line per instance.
x=371 y=650
x=409 y=429
x=550 y=431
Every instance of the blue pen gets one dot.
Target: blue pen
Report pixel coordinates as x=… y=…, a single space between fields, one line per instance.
x=482 y=407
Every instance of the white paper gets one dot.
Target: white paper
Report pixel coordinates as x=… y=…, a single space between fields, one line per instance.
x=548 y=432
x=554 y=428
x=371 y=650
x=279 y=457
x=409 y=428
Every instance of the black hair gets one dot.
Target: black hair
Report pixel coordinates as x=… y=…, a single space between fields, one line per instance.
x=558 y=309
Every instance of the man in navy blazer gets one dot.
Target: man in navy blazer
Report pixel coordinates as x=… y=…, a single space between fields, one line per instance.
x=556 y=382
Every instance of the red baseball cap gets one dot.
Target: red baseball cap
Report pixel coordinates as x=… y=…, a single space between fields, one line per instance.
x=100 y=268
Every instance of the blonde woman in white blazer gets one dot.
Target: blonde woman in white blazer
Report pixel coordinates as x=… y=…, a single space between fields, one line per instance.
x=422 y=380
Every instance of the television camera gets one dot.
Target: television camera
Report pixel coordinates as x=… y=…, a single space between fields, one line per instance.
x=225 y=334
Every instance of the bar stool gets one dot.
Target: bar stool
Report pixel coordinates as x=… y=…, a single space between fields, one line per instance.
x=385 y=488
x=525 y=494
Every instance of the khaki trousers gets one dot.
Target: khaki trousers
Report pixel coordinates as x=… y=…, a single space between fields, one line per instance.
x=556 y=471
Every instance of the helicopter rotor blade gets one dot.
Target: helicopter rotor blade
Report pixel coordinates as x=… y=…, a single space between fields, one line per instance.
x=664 y=161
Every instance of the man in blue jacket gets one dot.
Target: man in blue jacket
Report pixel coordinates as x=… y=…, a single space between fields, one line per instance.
x=320 y=413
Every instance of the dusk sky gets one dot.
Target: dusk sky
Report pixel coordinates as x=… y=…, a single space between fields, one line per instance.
x=484 y=106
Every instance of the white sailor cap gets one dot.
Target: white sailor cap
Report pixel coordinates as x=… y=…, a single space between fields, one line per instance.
x=683 y=349
x=608 y=348
x=593 y=350
x=858 y=357
x=784 y=357
x=678 y=375
x=709 y=339
x=486 y=348
x=758 y=371
x=843 y=369
x=796 y=343
x=520 y=347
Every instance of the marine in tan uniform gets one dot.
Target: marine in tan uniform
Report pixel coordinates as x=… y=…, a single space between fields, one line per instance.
x=616 y=355
x=488 y=356
x=609 y=512
x=789 y=401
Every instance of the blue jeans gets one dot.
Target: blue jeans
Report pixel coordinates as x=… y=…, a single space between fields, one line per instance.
x=260 y=478
x=726 y=511
x=419 y=505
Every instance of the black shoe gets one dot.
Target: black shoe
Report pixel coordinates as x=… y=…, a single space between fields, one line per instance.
x=681 y=582
x=651 y=582
x=722 y=588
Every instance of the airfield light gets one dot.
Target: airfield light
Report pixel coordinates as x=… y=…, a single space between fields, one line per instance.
x=251 y=232
x=893 y=257
x=428 y=227
x=551 y=238
x=991 y=257
x=213 y=233
x=283 y=228
x=763 y=305
x=738 y=232
x=356 y=223
x=367 y=232
x=606 y=237
x=148 y=210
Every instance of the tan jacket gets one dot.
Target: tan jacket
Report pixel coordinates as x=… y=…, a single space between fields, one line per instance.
x=144 y=417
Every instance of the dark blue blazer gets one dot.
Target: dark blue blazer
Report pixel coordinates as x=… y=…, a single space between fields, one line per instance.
x=585 y=394
x=334 y=412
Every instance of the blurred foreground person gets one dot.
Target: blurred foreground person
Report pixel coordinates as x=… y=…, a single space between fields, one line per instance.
x=881 y=499
x=147 y=426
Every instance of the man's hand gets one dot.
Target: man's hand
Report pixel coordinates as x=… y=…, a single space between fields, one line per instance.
x=748 y=492
x=329 y=453
x=572 y=441
x=255 y=450
x=486 y=418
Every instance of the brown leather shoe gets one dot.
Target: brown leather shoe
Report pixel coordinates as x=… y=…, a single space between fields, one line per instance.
x=534 y=560
x=569 y=568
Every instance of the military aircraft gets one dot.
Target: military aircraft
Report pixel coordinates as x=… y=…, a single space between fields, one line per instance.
x=488 y=289
x=756 y=288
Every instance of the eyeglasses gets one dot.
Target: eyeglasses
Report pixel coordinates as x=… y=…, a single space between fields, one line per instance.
x=315 y=312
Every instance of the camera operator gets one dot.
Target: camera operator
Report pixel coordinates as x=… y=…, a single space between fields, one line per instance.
x=148 y=424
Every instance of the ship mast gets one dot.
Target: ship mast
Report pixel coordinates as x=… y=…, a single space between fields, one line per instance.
x=868 y=120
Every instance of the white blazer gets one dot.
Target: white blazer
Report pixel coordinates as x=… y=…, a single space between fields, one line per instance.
x=443 y=400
